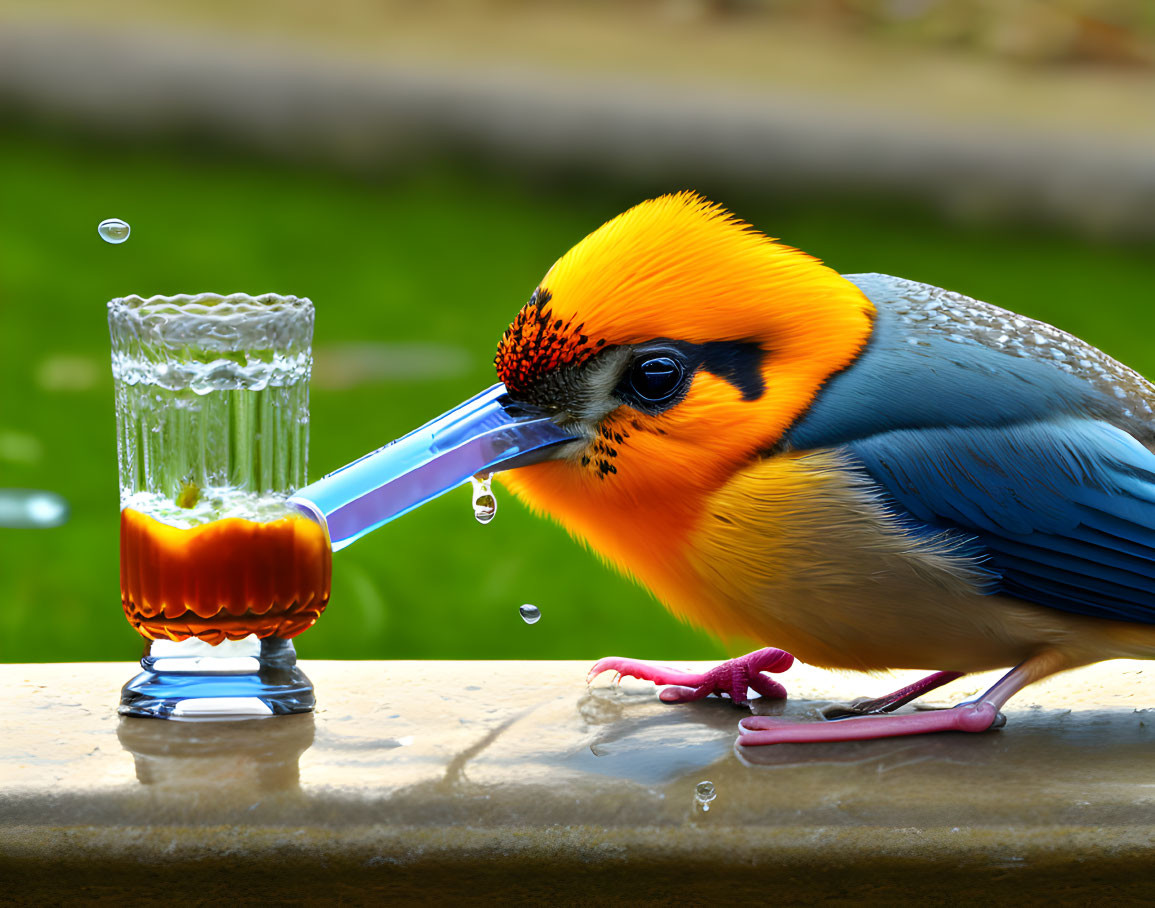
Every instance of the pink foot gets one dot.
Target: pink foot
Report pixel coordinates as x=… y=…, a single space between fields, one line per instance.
x=973 y=717
x=732 y=677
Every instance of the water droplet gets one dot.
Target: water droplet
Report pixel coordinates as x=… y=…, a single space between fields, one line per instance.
x=530 y=614
x=704 y=793
x=113 y=230
x=484 y=504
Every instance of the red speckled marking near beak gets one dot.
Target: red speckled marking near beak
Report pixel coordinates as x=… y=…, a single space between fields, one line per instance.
x=537 y=343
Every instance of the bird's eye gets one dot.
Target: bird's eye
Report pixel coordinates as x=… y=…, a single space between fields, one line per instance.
x=656 y=379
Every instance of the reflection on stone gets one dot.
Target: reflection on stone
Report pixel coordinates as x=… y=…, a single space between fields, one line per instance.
x=255 y=755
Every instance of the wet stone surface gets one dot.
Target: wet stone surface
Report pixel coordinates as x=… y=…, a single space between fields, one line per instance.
x=472 y=778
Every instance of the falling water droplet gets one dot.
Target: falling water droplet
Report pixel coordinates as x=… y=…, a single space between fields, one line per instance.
x=530 y=614
x=113 y=230
x=704 y=793
x=484 y=504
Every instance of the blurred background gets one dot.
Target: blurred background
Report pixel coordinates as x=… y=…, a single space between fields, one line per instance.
x=414 y=168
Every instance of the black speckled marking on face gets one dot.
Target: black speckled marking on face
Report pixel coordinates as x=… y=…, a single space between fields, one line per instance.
x=602 y=453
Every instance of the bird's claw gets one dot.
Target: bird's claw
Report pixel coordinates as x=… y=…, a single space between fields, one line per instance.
x=634 y=669
x=733 y=678
x=863 y=706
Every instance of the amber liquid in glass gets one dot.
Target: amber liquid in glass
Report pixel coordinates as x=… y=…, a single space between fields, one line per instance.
x=225 y=579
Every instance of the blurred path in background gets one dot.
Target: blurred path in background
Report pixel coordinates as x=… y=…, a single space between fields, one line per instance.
x=1043 y=113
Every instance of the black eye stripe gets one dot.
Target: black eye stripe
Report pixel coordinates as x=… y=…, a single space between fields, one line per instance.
x=737 y=362
x=567 y=389
x=662 y=362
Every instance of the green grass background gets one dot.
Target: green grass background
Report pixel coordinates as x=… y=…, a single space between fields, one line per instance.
x=438 y=253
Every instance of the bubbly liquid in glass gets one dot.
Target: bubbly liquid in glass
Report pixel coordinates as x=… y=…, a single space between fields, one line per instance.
x=223 y=579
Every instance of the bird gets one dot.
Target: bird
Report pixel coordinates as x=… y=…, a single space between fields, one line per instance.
x=860 y=471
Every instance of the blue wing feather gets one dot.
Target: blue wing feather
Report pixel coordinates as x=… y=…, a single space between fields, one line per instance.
x=1064 y=510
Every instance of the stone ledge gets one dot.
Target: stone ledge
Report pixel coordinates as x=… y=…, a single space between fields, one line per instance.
x=467 y=779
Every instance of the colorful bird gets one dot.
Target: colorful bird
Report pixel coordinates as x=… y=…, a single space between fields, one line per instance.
x=863 y=471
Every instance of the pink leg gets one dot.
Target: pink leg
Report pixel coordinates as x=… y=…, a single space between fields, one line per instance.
x=892 y=701
x=978 y=715
x=732 y=677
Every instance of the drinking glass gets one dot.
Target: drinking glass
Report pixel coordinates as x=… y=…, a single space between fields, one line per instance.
x=217 y=572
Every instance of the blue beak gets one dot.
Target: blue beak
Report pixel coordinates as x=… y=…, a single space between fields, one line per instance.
x=486 y=434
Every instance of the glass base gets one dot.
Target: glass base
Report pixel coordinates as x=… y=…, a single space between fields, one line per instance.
x=237 y=679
